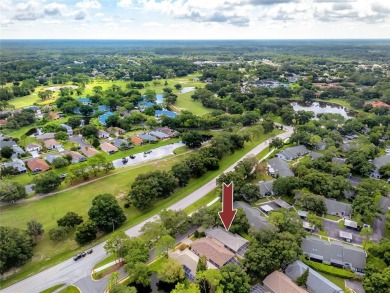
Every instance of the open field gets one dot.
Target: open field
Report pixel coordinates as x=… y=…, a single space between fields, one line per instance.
x=186 y=81
x=49 y=209
x=184 y=102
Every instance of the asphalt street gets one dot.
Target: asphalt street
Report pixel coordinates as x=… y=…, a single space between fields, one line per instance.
x=71 y=272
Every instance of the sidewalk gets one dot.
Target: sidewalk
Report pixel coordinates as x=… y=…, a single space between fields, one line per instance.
x=107 y=265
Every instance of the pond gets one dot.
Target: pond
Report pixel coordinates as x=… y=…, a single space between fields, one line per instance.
x=159 y=98
x=323 y=107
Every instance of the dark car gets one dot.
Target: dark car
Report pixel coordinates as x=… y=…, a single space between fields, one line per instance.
x=132 y=157
x=83 y=254
x=89 y=251
x=77 y=257
x=125 y=160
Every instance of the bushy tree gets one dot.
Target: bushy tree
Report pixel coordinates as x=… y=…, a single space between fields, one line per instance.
x=313 y=203
x=192 y=139
x=46 y=182
x=302 y=279
x=106 y=212
x=58 y=233
x=11 y=191
x=60 y=162
x=86 y=232
x=171 y=271
x=34 y=229
x=139 y=274
x=234 y=279
x=16 y=248
x=6 y=152
x=71 y=219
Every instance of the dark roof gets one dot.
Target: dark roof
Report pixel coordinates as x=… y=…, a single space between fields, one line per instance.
x=315 y=155
x=253 y=215
x=265 y=187
x=233 y=241
x=295 y=152
x=279 y=167
x=380 y=161
x=316 y=283
x=336 y=207
x=335 y=250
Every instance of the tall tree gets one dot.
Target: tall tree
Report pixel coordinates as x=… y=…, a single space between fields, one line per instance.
x=202 y=264
x=117 y=244
x=46 y=182
x=34 y=229
x=86 y=232
x=171 y=271
x=234 y=279
x=302 y=279
x=106 y=212
x=70 y=219
x=164 y=244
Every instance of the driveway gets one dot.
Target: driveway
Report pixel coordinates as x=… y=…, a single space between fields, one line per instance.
x=333 y=230
x=380 y=222
x=79 y=140
x=355 y=286
x=155 y=154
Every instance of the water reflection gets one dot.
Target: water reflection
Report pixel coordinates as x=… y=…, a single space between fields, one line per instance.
x=323 y=107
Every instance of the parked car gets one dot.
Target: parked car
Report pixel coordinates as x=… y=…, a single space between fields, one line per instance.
x=77 y=257
x=132 y=157
x=125 y=160
x=89 y=251
x=63 y=176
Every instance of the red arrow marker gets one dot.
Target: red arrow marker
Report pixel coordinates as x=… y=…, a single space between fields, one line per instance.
x=227 y=215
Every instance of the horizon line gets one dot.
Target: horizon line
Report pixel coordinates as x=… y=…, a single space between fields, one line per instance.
x=276 y=39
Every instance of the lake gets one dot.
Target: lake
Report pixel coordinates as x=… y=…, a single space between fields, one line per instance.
x=323 y=107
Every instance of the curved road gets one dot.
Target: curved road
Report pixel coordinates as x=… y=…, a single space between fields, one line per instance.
x=71 y=272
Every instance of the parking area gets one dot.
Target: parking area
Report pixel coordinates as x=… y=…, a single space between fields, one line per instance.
x=333 y=230
x=155 y=154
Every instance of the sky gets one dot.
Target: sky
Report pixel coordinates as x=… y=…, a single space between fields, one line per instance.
x=194 y=19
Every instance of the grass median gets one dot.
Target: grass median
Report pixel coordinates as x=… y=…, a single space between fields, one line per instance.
x=49 y=209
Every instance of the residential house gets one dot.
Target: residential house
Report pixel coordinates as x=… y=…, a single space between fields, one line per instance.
x=45 y=136
x=378 y=163
x=121 y=143
x=159 y=135
x=31 y=147
x=52 y=144
x=334 y=253
x=68 y=129
x=147 y=137
x=189 y=262
x=108 y=148
x=167 y=113
x=321 y=146
x=292 y=153
x=7 y=143
x=279 y=168
x=84 y=101
x=116 y=131
x=19 y=165
x=136 y=140
x=266 y=188
x=18 y=151
x=168 y=131
x=277 y=282
x=54 y=115
x=230 y=241
x=256 y=221
x=50 y=158
x=102 y=118
x=3 y=122
x=314 y=155
x=37 y=165
x=315 y=283
x=216 y=254
x=76 y=157
x=89 y=151
x=103 y=134
x=337 y=208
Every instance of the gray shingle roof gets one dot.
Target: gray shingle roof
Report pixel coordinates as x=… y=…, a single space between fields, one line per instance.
x=18 y=164
x=333 y=250
x=294 y=152
x=253 y=215
x=159 y=134
x=233 y=241
x=335 y=207
x=279 y=167
x=316 y=283
x=147 y=137
x=265 y=187
x=9 y=143
x=315 y=155
x=380 y=161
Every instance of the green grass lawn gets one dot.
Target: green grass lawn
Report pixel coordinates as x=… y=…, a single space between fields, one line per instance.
x=156 y=265
x=184 y=102
x=336 y=280
x=202 y=202
x=49 y=209
x=52 y=289
x=107 y=260
x=70 y=289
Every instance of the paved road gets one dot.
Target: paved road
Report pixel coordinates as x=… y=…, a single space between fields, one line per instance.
x=71 y=272
x=79 y=139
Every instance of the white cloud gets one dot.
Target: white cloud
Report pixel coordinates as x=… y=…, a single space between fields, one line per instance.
x=125 y=3
x=89 y=4
x=99 y=14
x=51 y=21
x=152 y=24
x=54 y=8
x=5 y=5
